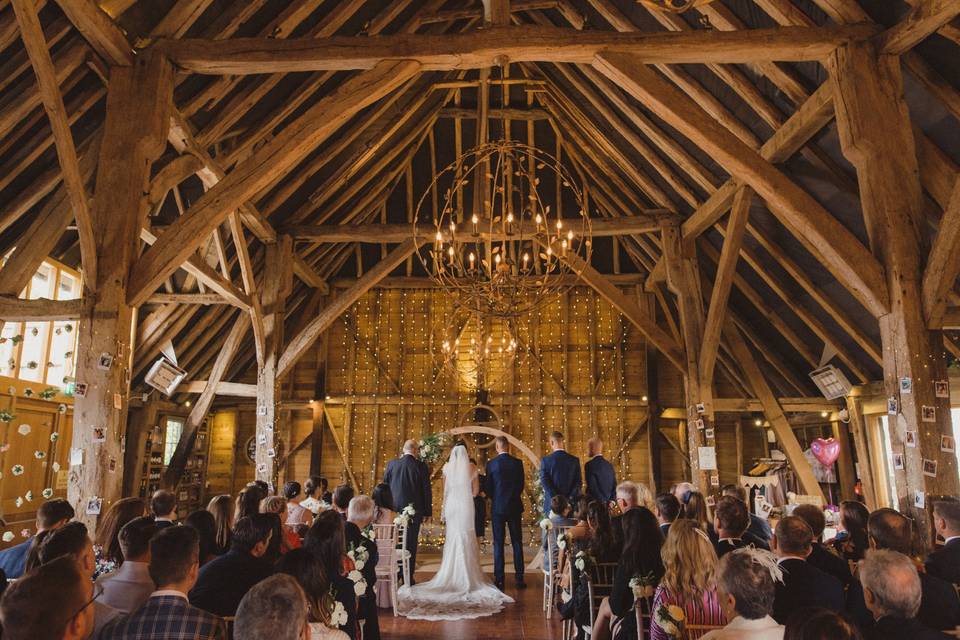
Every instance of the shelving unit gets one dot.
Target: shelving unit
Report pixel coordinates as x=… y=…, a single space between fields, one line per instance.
x=155 y=450
x=192 y=489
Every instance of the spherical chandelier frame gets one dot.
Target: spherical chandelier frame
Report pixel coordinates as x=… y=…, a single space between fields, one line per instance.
x=502 y=251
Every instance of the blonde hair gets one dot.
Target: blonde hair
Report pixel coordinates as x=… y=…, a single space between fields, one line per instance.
x=689 y=561
x=273 y=504
x=645 y=497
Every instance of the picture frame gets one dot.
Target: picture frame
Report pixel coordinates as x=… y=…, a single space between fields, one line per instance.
x=928 y=413
x=941 y=388
x=930 y=468
x=910 y=439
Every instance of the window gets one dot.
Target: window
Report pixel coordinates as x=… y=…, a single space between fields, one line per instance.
x=888 y=466
x=174 y=429
x=43 y=352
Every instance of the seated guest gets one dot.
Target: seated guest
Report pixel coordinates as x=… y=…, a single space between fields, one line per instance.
x=681 y=490
x=639 y=558
x=695 y=509
x=224 y=581
x=599 y=476
x=803 y=584
x=72 y=540
x=51 y=602
x=309 y=574
x=323 y=493
x=627 y=495
x=325 y=542
x=668 y=510
x=51 y=515
x=311 y=489
x=581 y=529
x=645 y=497
x=819 y=556
x=745 y=586
x=106 y=545
x=222 y=509
x=759 y=529
x=248 y=501
x=689 y=578
x=939 y=605
x=730 y=520
x=383 y=511
x=285 y=538
x=944 y=563
x=129 y=586
x=359 y=517
x=166 y=615
x=274 y=609
x=296 y=513
x=163 y=505
x=559 y=516
x=851 y=543
x=342 y=496
x=206 y=526
x=891 y=590
x=820 y=624
x=262 y=486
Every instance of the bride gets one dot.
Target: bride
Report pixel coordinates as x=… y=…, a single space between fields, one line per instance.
x=460 y=589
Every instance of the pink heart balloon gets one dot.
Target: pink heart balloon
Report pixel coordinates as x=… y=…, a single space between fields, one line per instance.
x=826 y=451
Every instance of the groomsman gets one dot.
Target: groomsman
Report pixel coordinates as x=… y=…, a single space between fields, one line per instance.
x=559 y=473
x=599 y=474
x=409 y=480
x=504 y=485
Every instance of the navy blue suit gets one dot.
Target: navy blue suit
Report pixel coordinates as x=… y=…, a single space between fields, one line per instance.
x=601 y=479
x=409 y=480
x=560 y=476
x=504 y=485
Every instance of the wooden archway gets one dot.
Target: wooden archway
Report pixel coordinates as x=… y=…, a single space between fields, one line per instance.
x=490 y=431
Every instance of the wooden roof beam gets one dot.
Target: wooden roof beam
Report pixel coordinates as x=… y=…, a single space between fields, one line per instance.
x=14 y=309
x=822 y=234
x=99 y=30
x=239 y=56
x=943 y=262
x=318 y=123
x=924 y=19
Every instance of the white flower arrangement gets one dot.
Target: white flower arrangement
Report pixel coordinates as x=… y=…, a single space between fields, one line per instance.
x=643 y=586
x=338 y=617
x=47 y=493
x=17 y=470
x=562 y=541
x=671 y=619
x=359 y=584
x=401 y=520
x=581 y=561
x=8 y=536
x=360 y=556
x=409 y=511
x=370 y=534
x=546 y=525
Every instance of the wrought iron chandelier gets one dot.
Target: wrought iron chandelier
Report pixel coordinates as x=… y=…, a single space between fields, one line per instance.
x=473 y=348
x=496 y=242
x=673 y=6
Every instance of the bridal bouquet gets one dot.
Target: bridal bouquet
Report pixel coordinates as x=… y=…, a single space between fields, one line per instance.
x=643 y=586
x=671 y=618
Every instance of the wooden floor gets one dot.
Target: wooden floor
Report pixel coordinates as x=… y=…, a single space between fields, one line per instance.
x=524 y=619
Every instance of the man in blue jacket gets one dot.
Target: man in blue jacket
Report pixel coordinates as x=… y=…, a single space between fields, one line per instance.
x=599 y=474
x=559 y=473
x=52 y=514
x=504 y=484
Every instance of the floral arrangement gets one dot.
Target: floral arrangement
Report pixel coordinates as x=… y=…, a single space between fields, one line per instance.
x=403 y=518
x=546 y=525
x=431 y=446
x=359 y=583
x=538 y=495
x=643 y=586
x=671 y=619
x=582 y=561
x=338 y=615
x=562 y=541
x=369 y=533
x=359 y=555
x=49 y=393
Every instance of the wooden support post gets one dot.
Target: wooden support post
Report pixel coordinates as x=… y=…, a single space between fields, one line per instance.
x=847 y=476
x=877 y=137
x=683 y=279
x=864 y=463
x=276 y=285
x=139 y=100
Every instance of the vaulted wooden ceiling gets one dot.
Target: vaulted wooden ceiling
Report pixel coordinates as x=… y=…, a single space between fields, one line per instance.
x=800 y=290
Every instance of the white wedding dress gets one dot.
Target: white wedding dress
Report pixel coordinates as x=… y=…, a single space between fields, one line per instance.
x=460 y=590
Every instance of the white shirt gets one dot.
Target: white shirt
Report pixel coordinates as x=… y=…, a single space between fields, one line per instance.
x=947 y=540
x=162 y=519
x=168 y=592
x=740 y=628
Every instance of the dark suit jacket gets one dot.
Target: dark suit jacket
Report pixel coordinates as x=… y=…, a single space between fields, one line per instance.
x=760 y=529
x=601 y=479
x=939 y=605
x=902 y=629
x=726 y=546
x=944 y=563
x=504 y=485
x=830 y=563
x=665 y=530
x=560 y=476
x=166 y=617
x=224 y=581
x=409 y=481
x=805 y=586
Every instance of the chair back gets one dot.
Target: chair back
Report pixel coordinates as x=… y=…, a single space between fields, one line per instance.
x=228 y=622
x=642 y=609
x=386 y=535
x=599 y=585
x=695 y=631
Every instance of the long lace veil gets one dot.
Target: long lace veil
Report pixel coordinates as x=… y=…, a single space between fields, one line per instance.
x=458 y=490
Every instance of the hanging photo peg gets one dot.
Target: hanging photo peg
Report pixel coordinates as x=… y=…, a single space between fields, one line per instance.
x=930 y=468
x=898 y=461
x=99 y=434
x=947 y=444
x=105 y=361
x=708 y=434
x=271 y=453
x=117 y=401
x=910 y=439
x=906 y=385
x=919 y=500
x=941 y=388
x=80 y=390
x=94 y=505
x=262 y=439
x=928 y=414
x=700 y=424
x=261 y=468
x=262 y=410
x=893 y=406
x=714 y=481
x=701 y=408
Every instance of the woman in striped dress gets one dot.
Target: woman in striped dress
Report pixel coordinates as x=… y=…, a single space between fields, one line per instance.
x=689 y=580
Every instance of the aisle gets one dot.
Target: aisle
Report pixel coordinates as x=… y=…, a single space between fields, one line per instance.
x=522 y=620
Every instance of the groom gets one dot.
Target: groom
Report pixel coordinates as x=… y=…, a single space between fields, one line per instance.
x=504 y=485
x=409 y=480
